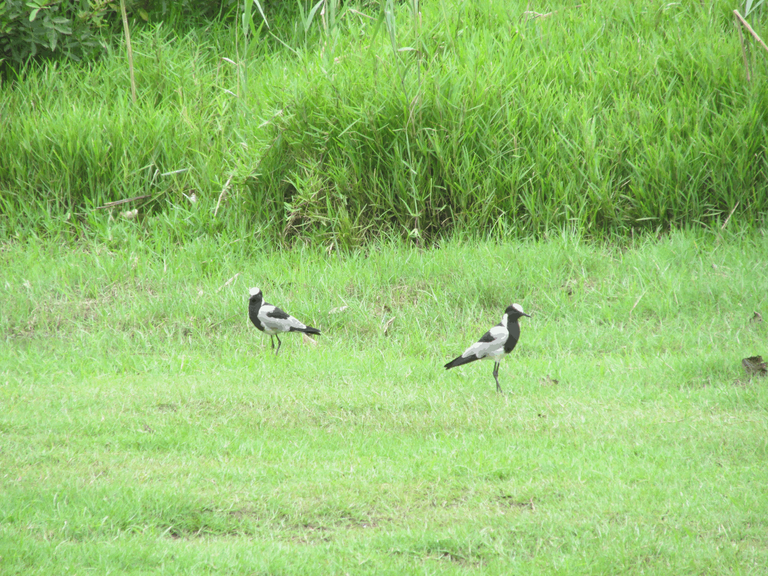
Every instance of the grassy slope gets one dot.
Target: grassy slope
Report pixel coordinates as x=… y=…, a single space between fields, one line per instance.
x=604 y=117
x=146 y=428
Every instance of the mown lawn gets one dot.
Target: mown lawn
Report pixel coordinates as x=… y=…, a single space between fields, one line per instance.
x=146 y=427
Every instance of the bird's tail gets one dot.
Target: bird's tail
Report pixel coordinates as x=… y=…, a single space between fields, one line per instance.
x=310 y=330
x=459 y=361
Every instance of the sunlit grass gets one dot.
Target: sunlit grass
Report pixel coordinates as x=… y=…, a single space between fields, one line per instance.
x=147 y=426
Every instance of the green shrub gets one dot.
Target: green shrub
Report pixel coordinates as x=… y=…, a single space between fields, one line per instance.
x=67 y=28
x=79 y=29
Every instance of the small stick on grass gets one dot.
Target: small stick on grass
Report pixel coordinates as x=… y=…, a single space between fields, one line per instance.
x=532 y=14
x=222 y=196
x=128 y=48
x=123 y=201
x=749 y=29
x=637 y=302
x=732 y=209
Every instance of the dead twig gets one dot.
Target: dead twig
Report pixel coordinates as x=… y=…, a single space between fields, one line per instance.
x=637 y=302
x=222 y=196
x=129 y=50
x=750 y=30
x=737 y=202
x=228 y=282
x=532 y=14
x=124 y=201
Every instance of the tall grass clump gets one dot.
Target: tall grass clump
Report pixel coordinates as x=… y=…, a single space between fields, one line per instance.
x=80 y=142
x=490 y=117
x=342 y=122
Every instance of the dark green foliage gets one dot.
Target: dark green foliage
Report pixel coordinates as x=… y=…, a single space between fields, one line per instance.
x=70 y=28
x=79 y=29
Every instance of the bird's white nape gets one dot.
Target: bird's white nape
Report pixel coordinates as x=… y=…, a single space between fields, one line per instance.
x=518 y=308
x=254 y=291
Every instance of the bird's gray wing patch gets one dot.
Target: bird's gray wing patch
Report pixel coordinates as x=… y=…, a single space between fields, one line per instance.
x=490 y=342
x=276 y=320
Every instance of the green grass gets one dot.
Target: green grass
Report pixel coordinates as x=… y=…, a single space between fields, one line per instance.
x=603 y=118
x=147 y=427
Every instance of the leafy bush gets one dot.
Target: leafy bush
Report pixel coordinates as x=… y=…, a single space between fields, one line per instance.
x=79 y=29
x=70 y=28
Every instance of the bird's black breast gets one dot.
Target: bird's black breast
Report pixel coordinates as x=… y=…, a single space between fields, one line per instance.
x=514 y=336
x=253 y=313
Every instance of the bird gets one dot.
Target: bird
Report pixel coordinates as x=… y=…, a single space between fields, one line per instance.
x=273 y=320
x=494 y=344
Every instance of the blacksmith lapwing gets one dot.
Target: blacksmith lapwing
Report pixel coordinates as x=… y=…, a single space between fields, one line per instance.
x=494 y=344
x=272 y=320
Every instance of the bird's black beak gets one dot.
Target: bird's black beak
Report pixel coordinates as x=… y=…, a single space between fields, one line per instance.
x=524 y=314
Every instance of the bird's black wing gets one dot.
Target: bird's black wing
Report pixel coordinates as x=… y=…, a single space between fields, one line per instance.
x=276 y=312
x=487 y=337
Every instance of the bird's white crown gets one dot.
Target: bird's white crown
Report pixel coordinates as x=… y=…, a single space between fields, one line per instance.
x=254 y=291
x=518 y=308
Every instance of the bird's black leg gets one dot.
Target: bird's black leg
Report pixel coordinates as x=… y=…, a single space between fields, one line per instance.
x=272 y=341
x=278 y=344
x=496 y=376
